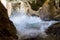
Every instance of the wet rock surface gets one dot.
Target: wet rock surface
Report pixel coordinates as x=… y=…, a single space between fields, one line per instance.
x=54 y=29
x=7 y=29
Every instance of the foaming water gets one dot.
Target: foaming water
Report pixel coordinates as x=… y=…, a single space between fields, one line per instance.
x=29 y=26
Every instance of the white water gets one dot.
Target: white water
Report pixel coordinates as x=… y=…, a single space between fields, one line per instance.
x=29 y=26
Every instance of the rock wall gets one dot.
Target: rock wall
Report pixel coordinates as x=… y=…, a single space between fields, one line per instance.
x=47 y=11
x=7 y=29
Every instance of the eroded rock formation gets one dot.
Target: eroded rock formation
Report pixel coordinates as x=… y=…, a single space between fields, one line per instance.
x=47 y=11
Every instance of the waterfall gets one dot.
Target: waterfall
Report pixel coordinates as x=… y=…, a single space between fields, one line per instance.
x=29 y=26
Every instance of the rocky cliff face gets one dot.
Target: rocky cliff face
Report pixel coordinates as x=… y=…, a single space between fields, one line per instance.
x=7 y=29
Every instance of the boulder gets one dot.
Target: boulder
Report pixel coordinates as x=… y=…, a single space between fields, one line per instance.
x=7 y=29
x=54 y=30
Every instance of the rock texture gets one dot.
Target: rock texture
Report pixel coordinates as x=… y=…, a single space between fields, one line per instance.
x=46 y=12
x=7 y=29
x=54 y=29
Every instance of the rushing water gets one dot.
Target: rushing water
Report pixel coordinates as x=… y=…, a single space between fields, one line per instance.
x=29 y=26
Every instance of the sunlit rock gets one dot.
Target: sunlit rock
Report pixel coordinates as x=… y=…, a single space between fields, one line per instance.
x=9 y=8
x=4 y=2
